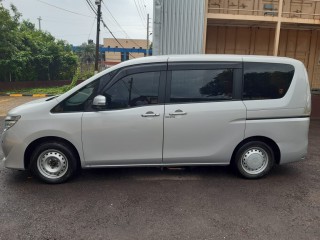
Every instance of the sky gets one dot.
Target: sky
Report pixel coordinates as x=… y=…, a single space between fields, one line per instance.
x=76 y=28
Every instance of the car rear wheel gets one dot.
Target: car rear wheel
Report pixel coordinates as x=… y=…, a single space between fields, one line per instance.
x=53 y=162
x=254 y=159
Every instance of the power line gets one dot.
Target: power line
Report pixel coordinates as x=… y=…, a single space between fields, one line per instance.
x=105 y=25
x=66 y=10
x=143 y=8
x=140 y=9
x=91 y=28
x=141 y=18
x=119 y=24
x=91 y=6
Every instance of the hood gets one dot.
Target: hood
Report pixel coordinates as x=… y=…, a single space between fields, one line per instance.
x=36 y=101
x=33 y=106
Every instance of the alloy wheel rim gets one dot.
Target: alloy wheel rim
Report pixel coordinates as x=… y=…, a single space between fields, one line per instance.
x=52 y=164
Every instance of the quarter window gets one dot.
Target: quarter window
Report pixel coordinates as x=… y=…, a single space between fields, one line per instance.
x=79 y=100
x=266 y=80
x=134 y=90
x=82 y=99
x=201 y=85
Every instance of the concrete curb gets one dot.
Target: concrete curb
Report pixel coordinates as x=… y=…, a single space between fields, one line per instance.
x=25 y=95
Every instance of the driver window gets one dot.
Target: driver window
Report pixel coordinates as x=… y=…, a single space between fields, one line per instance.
x=134 y=90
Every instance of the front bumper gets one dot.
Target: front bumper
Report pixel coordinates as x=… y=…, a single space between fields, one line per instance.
x=13 y=149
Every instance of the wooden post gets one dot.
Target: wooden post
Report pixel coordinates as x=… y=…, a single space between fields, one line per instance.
x=277 y=32
x=312 y=55
x=205 y=27
x=252 y=40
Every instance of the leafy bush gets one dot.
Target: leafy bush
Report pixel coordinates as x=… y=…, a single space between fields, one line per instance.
x=27 y=54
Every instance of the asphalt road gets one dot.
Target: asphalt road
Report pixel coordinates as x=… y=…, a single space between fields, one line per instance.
x=148 y=203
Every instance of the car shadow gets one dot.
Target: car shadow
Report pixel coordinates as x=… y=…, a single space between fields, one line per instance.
x=157 y=174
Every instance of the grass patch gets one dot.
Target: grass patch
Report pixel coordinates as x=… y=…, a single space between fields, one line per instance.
x=48 y=90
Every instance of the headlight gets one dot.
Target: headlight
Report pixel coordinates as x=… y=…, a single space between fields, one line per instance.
x=9 y=121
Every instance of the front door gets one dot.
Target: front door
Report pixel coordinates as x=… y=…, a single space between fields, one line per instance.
x=130 y=130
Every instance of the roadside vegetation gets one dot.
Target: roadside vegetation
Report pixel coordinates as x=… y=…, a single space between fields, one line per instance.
x=49 y=90
x=29 y=54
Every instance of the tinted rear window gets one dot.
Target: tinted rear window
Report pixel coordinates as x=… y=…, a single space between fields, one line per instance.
x=266 y=80
x=201 y=85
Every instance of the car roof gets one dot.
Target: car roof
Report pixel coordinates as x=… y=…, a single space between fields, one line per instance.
x=206 y=57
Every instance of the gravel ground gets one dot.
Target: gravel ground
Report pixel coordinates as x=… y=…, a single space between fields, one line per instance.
x=148 y=203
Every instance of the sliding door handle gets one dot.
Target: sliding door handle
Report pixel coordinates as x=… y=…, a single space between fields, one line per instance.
x=178 y=113
x=150 y=114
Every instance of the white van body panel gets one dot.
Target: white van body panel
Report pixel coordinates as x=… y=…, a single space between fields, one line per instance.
x=208 y=134
x=290 y=134
x=123 y=137
x=37 y=122
x=280 y=119
x=205 y=134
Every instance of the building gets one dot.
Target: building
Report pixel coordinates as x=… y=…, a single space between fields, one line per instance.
x=132 y=48
x=288 y=28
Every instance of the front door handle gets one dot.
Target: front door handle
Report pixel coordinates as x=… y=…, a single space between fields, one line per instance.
x=177 y=113
x=150 y=114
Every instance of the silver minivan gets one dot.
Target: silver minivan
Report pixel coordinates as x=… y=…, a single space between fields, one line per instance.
x=190 y=110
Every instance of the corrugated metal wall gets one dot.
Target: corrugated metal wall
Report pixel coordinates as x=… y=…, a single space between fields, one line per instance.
x=178 y=26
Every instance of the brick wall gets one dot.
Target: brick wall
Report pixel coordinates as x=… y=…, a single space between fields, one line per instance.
x=315 y=112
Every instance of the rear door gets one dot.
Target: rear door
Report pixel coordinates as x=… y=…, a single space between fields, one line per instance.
x=204 y=114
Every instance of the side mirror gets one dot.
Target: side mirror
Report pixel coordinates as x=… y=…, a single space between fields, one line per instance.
x=99 y=102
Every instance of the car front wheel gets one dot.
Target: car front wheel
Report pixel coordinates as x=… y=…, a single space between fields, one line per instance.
x=53 y=162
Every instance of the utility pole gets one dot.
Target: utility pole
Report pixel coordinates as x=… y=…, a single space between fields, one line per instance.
x=96 y=66
x=39 y=19
x=147 y=35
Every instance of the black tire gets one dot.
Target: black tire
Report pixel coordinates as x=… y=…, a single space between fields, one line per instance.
x=53 y=156
x=254 y=160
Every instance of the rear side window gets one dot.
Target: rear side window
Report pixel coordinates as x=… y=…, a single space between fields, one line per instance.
x=266 y=80
x=201 y=85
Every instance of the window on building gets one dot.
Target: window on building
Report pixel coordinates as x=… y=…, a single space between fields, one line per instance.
x=266 y=80
x=124 y=56
x=134 y=90
x=201 y=85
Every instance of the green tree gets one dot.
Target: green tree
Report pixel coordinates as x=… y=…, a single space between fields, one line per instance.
x=8 y=41
x=86 y=53
x=29 y=54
